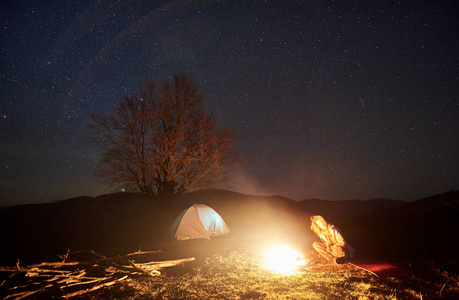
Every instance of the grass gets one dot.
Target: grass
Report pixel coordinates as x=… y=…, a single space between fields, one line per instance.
x=233 y=269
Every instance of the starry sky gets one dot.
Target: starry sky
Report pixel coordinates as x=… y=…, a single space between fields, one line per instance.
x=329 y=99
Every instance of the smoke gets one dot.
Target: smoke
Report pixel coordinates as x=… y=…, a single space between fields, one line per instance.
x=299 y=177
x=244 y=182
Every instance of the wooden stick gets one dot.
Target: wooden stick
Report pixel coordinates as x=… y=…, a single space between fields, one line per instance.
x=167 y=263
x=65 y=274
x=22 y=295
x=87 y=282
x=138 y=268
x=54 y=264
x=78 y=293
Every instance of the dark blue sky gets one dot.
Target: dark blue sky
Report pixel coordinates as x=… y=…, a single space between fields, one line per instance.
x=329 y=99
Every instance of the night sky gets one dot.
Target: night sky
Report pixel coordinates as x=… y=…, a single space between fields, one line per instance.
x=329 y=99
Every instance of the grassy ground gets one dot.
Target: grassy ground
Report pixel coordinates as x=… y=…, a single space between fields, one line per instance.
x=232 y=268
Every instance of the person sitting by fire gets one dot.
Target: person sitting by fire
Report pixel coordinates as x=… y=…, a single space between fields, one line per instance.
x=332 y=247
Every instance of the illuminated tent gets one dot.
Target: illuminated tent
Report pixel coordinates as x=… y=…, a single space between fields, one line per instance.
x=199 y=222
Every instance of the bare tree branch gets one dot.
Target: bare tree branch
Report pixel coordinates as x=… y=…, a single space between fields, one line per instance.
x=162 y=142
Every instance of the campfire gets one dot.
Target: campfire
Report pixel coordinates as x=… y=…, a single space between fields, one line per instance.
x=284 y=260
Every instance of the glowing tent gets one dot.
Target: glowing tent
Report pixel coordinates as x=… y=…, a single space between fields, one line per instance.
x=199 y=222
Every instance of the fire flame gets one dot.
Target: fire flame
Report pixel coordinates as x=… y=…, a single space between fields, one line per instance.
x=284 y=260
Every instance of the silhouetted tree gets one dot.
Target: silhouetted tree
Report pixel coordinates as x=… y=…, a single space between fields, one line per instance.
x=162 y=142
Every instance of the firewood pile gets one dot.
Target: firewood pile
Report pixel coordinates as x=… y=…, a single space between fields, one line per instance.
x=78 y=273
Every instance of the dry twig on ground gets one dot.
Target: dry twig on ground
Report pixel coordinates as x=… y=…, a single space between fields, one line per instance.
x=72 y=277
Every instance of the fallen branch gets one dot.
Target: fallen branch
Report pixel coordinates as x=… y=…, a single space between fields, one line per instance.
x=150 y=273
x=166 y=263
x=71 y=278
x=78 y=293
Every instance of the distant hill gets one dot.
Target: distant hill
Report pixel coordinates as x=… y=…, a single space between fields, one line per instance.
x=120 y=223
x=426 y=228
x=339 y=211
x=45 y=230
